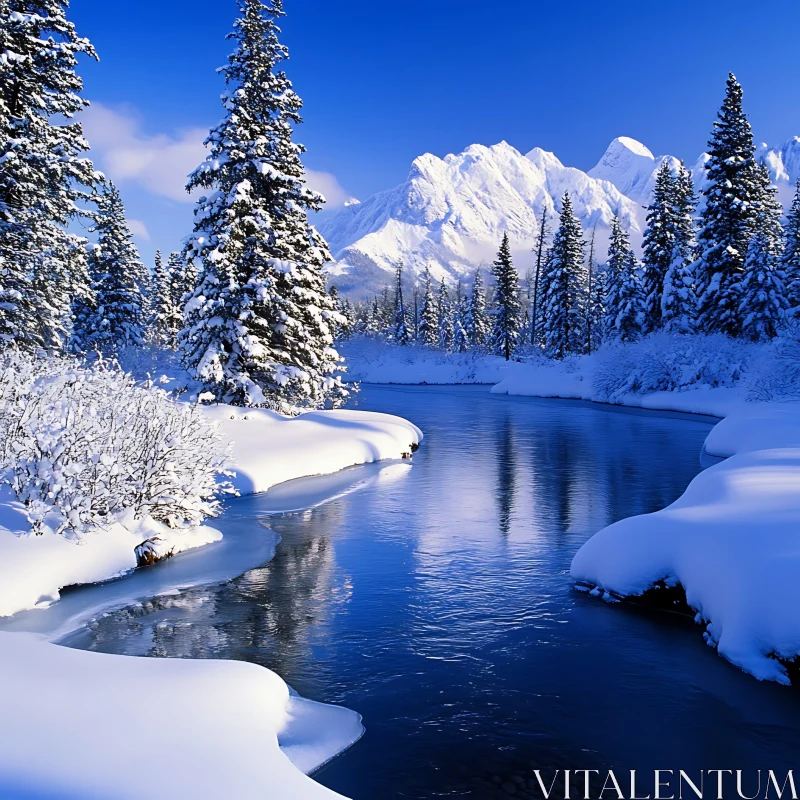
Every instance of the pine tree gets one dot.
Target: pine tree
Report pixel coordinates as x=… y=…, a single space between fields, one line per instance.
x=401 y=329
x=348 y=312
x=45 y=182
x=429 y=315
x=658 y=245
x=477 y=322
x=445 y=315
x=259 y=326
x=162 y=308
x=790 y=262
x=678 y=299
x=507 y=307
x=727 y=220
x=537 y=279
x=461 y=339
x=593 y=301
x=374 y=324
x=182 y=280
x=115 y=319
x=565 y=287
x=623 y=299
x=596 y=298
x=763 y=296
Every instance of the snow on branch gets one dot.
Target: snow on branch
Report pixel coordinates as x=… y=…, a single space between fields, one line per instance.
x=81 y=445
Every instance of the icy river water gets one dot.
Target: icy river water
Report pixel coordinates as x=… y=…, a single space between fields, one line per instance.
x=436 y=601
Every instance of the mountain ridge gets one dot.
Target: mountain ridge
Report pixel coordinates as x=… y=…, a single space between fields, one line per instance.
x=450 y=213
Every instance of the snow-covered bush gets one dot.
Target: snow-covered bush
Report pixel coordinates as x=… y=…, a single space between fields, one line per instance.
x=80 y=445
x=666 y=362
x=776 y=376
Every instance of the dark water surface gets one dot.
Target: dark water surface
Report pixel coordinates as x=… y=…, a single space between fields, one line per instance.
x=437 y=602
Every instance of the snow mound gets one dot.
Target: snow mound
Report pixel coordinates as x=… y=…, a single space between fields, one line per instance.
x=33 y=569
x=756 y=427
x=269 y=448
x=730 y=541
x=221 y=723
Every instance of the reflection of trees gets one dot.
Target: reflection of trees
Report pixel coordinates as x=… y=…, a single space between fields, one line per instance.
x=270 y=615
x=506 y=475
x=592 y=467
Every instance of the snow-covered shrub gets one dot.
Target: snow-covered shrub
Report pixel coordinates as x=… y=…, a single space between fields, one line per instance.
x=776 y=376
x=669 y=362
x=80 y=445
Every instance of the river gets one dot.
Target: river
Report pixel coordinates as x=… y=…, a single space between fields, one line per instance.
x=435 y=599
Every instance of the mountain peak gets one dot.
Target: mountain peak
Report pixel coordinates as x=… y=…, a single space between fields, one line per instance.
x=626 y=144
x=629 y=165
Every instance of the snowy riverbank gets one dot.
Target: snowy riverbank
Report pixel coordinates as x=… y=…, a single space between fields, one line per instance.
x=730 y=540
x=249 y=736
x=221 y=722
x=267 y=449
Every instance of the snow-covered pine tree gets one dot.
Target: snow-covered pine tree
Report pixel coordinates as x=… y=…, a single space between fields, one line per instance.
x=594 y=316
x=182 y=279
x=445 y=315
x=507 y=306
x=116 y=317
x=375 y=317
x=477 y=321
x=537 y=279
x=596 y=298
x=790 y=262
x=429 y=315
x=658 y=245
x=401 y=332
x=565 y=286
x=348 y=312
x=461 y=339
x=685 y=206
x=259 y=325
x=728 y=217
x=60 y=284
x=44 y=180
x=415 y=314
x=623 y=298
x=762 y=293
x=678 y=299
x=161 y=306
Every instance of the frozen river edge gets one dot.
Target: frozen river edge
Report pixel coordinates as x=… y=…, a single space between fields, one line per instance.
x=233 y=729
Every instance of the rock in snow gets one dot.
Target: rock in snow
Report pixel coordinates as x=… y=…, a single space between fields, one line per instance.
x=450 y=213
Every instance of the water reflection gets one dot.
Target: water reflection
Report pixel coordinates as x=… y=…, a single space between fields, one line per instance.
x=439 y=606
x=506 y=473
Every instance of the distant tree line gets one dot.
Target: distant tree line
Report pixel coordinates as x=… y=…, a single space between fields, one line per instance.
x=735 y=270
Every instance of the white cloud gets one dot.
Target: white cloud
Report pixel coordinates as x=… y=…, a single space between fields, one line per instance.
x=161 y=162
x=138 y=228
x=327 y=185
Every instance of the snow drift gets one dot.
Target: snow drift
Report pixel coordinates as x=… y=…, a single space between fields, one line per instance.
x=132 y=728
x=730 y=541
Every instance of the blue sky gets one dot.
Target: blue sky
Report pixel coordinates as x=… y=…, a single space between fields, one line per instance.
x=386 y=81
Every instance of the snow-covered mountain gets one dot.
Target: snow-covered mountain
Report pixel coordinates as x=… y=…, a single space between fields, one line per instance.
x=450 y=213
x=784 y=166
x=631 y=167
